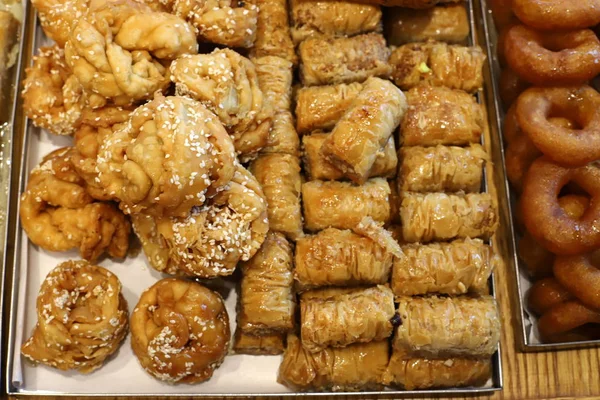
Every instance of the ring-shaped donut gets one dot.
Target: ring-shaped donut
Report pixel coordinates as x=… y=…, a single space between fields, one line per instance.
x=564 y=144
x=546 y=294
x=552 y=58
x=547 y=221
x=565 y=317
x=510 y=86
x=580 y=277
x=558 y=14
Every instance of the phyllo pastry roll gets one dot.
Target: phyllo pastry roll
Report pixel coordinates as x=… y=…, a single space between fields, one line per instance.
x=180 y=331
x=358 y=137
x=313 y=18
x=275 y=80
x=336 y=257
x=356 y=367
x=440 y=327
x=316 y=165
x=264 y=345
x=423 y=373
x=266 y=298
x=283 y=137
x=438 y=115
x=279 y=176
x=451 y=268
x=273 y=31
x=441 y=168
x=343 y=205
x=438 y=64
x=441 y=216
x=416 y=4
x=81 y=318
x=344 y=60
x=443 y=23
x=360 y=316
x=321 y=107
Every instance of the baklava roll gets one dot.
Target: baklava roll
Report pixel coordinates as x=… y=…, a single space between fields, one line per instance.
x=266 y=345
x=321 y=107
x=441 y=168
x=313 y=18
x=438 y=115
x=266 y=298
x=352 y=368
x=363 y=315
x=283 y=137
x=451 y=268
x=441 y=216
x=423 y=373
x=326 y=61
x=336 y=257
x=275 y=80
x=439 y=327
x=343 y=205
x=273 y=31
x=416 y=4
x=279 y=176
x=438 y=64
x=316 y=165
x=443 y=23
x=361 y=133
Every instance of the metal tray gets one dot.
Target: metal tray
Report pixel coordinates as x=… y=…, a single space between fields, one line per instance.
x=524 y=322
x=25 y=259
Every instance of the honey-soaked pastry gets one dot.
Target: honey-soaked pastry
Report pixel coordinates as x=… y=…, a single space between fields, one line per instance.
x=275 y=76
x=58 y=214
x=438 y=115
x=447 y=327
x=57 y=17
x=316 y=165
x=352 y=368
x=416 y=4
x=443 y=23
x=358 y=137
x=314 y=18
x=375 y=231
x=363 y=315
x=423 y=373
x=52 y=96
x=227 y=84
x=81 y=318
x=438 y=64
x=280 y=179
x=441 y=168
x=335 y=257
x=343 y=205
x=452 y=268
x=321 y=107
x=119 y=49
x=441 y=216
x=283 y=137
x=273 y=31
x=265 y=345
x=170 y=156
x=180 y=331
x=267 y=302
x=211 y=240
x=327 y=61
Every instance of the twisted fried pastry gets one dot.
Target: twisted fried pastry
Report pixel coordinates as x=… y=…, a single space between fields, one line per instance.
x=180 y=331
x=58 y=214
x=58 y=16
x=171 y=155
x=81 y=318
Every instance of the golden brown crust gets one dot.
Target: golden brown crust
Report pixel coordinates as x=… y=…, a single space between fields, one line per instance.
x=273 y=31
x=265 y=345
x=283 y=137
x=275 y=76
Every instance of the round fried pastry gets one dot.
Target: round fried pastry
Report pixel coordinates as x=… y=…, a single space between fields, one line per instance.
x=565 y=317
x=545 y=294
x=581 y=277
x=558 y=14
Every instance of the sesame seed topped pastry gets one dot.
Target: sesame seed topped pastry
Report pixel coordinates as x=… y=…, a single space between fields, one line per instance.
x=81 y=318
x=58 y=214
x=169 y=157
x=58 y=16
x=180 y=331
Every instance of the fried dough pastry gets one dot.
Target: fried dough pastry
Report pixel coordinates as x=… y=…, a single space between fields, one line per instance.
x=280 y=179
x=81 y=318
x=52 y=97
x=227 y=84
x=352 y=368
x=328 y=61
x=58 y=16
x=283 y=137
x=267 y=302
x=417 y=4
x=120 y=49
x=264 y=345
x=180 y=331
x=211 y=240
x=171 y=155
x=314 y=18
x=273 y=31
x=275 y=76
x=58 y=214
x=438 y=64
